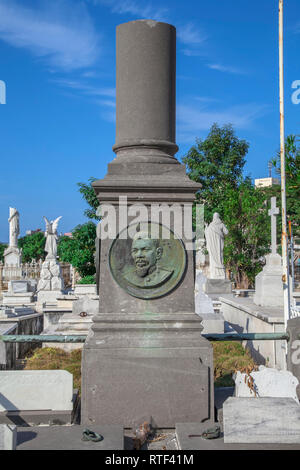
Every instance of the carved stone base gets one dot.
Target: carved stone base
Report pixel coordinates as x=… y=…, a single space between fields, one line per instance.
x=143 y=366
x=24 y=298
x=217 y=286
x=48 y=296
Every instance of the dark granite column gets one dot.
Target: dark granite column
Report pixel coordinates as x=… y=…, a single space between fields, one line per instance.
x=146 y=67
x=145 y=355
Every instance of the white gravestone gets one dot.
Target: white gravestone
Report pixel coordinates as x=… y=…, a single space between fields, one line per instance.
x=268 y=283
x=267 y=382
x=261 y=421
x=212 y=322
x=36 y=390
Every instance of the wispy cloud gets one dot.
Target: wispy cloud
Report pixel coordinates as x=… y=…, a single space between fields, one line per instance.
x=100 y=96
x=226 y=68
x=191 y=121
x=61 y=33
x=190 y=34
x=140 y=9
x=193 y=38
x=86 y=88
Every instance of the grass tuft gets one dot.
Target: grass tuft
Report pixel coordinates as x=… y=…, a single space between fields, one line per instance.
x=229 y=356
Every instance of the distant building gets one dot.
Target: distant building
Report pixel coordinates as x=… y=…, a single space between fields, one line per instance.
x=30 y=232
x=266 y=182
x=68 y=234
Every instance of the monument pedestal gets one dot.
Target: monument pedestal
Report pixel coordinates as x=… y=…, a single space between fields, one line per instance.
x=48 y=296
x=12 y=256
x=217 y=286
x=147 y=366
x=144 y=357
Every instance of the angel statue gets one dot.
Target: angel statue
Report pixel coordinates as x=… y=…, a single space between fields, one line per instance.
x=51 y=237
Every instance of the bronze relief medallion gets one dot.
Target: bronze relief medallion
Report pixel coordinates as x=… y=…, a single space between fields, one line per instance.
x=147 y=266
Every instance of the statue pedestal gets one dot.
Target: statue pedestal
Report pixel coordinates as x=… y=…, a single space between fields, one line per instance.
x=136 y=367
x=12 y=263
x=51 y=283
x=217 y=286
x=48 y=297
x=12 y=256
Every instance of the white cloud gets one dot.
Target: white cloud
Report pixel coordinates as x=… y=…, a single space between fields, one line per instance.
x=108 y=103
x=87 y=89
x=191 y=121
x=140 y=9
x=190 y=34
x=59 y=31
x=226 y=68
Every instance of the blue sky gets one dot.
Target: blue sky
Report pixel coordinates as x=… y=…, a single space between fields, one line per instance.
x=57 y=59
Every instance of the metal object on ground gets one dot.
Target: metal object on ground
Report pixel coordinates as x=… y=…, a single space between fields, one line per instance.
x=211 y=433
x=88 y=435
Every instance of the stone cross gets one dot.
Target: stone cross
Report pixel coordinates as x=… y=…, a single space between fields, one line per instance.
x=273 y=212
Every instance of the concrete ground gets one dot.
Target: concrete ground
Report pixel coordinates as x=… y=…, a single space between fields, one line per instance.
x=184 y=437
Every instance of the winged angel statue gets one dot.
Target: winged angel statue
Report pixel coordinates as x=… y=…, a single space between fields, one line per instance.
x=51 y=237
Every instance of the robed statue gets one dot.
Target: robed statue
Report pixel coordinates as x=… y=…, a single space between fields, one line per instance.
x=14 y=227
x=214 y=234
x=51 y=237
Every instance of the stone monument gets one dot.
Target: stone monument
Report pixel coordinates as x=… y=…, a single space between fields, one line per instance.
x=144 y=357
x=268 y=283
x=215 y=233
x=51 y=282
x=13 y=255
x=212 y=322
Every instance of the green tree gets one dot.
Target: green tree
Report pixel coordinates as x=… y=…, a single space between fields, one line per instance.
x=245 y=214
x=89 y=196
x=33 y=247
x=3 y=246
x=216 y=162
x=79 y=250
x=292 y=171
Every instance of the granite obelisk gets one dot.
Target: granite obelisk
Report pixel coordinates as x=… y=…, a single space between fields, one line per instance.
x=145 y=356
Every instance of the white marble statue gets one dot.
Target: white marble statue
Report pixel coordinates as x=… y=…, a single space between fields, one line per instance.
x=14 y=227
x=51 y=237
x=214 y=234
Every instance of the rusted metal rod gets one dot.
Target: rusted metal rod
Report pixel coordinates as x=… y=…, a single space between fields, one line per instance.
x=43 y=338
x=82 y=338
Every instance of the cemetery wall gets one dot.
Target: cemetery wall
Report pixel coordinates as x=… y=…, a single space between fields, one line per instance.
x=7 y=350
x=243 y=320
x=26 y=325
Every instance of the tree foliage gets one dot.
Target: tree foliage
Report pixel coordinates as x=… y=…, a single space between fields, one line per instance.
x=217 y=163
x=292 y=171
x=79 y=250
x=89 y=196
x=245 y=214
x=3 y=246
x=33 y=247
